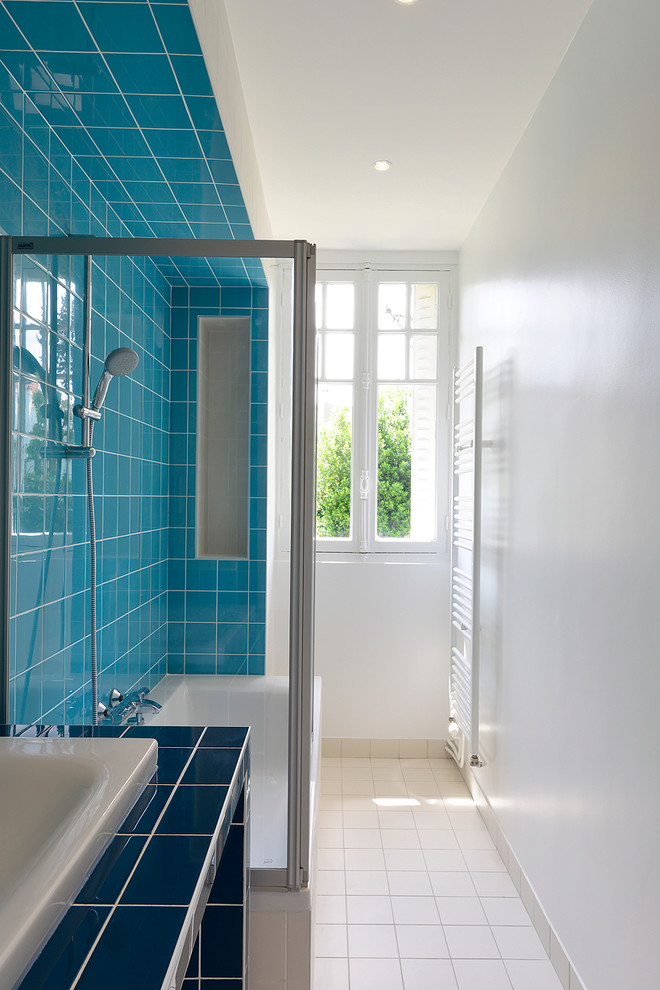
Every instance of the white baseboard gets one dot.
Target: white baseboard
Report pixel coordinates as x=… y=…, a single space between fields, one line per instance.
x=385 y=749
x=551 y=943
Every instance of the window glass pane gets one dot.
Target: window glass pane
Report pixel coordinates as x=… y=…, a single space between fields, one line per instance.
x=319 y=305
x=339 y=305
x=423 y=463
x=333 y=467
x=338 y=355
x=423 y=355
x=391 y=306
x=394 y=462
x=424 y=307
x=406 y=497
x=392 y=356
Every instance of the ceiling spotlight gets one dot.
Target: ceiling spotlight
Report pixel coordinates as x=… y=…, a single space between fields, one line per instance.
x=405 y=2
x=382 y=165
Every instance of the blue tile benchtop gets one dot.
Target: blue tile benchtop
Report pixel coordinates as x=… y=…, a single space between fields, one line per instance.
x=173 y=879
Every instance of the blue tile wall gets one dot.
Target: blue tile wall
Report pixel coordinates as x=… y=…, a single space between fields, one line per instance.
x=108 y=127
x=217 y=609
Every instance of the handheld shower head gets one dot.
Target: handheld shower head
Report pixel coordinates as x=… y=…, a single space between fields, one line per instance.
x=118 y=363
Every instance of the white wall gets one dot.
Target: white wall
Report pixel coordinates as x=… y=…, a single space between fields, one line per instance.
x=378 y=630
x=212 y=26
x=560 y=283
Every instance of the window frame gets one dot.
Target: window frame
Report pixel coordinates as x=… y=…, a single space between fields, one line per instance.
x=364 y=541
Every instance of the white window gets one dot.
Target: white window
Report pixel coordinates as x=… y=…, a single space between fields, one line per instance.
x=383 y=368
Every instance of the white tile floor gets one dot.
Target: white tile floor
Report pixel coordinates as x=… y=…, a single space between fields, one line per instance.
x=412 y=893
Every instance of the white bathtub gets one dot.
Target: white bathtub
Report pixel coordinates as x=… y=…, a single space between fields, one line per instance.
x=262 y=703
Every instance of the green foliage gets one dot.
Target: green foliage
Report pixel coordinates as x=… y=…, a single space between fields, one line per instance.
x=394 y=463
x=333 y=476
x=333 y=479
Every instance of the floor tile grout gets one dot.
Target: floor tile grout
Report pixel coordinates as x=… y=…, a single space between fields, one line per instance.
x=464 y=928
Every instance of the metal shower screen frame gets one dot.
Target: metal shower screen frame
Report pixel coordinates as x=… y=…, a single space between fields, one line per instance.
x=301 y=604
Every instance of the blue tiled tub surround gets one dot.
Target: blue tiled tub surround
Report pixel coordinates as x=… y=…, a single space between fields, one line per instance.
x=137 y=918
x=217 y=608
x=109 y=127
x=50 y=629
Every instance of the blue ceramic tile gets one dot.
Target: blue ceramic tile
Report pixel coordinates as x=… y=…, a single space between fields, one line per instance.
x=191 y=72
x=193 y=811
x=51 y=26
x=143 y=815
x=211 y=766
x=195 y=192
x=232 y=638
x=201 y=606
x=105 y=884
x=177 y=28
x=168 y=871
x=223 y=737
x=228 y=663
x=143 y=939
x=214 y=144
x=143 y=74
x=200 y=663
x=173 y=144
x=10 y=36
x=232 y=606
x=168 y=736
x=159 y=111
x=221 y=941
x=200 y=637
x=122 y=27
x=228 y=884
x=58 y=962
x=79 y=72
x=170 y=764
x=204 y=112
x=121 y=141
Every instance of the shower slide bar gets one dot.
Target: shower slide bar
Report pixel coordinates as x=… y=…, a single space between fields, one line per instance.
x=466 y=562
x=301 y=617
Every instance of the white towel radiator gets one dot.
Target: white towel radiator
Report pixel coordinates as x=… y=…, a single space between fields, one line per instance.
x=467 y=446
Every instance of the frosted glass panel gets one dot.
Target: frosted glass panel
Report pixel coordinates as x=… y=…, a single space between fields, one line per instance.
x=223 y=437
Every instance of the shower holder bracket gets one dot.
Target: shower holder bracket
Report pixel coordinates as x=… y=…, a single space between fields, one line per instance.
x=85 y=412
x=75 y=451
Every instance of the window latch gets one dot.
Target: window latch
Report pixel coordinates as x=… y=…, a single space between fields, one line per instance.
x=364 y=484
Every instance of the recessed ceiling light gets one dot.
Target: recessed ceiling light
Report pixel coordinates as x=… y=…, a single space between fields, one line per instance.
x=382 y=165
x=405 y=2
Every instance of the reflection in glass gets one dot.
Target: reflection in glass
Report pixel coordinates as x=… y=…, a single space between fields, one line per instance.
x=391 y=306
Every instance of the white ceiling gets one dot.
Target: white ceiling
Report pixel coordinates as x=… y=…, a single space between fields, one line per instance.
x=442 y=88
